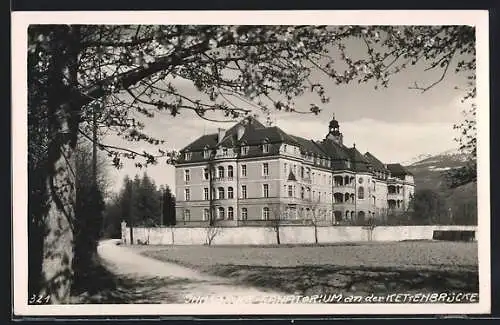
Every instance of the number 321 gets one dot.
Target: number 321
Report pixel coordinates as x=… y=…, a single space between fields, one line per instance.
x=36 y=299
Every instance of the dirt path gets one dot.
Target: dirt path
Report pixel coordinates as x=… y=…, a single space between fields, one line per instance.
x=146 y=280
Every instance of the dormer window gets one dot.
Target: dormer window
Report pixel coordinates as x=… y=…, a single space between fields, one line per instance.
x=206 y=153
x=284 y=147
x=224 y=151
x=187 y=155
x=265 y=147
x=244 y=150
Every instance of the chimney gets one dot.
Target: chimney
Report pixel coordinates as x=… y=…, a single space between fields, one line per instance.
x=221 y=132
x=240 y=132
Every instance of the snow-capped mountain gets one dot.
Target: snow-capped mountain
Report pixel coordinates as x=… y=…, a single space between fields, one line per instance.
x=416 y=159
x=428 y=169
x=429 y=173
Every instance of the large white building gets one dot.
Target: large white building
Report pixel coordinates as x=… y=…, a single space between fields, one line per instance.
x=253 y=174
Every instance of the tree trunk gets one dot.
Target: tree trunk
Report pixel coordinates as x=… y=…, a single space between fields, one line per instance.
x=57 y=271
x=63 y=122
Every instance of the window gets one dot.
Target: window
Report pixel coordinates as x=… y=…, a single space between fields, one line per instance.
x=244 y=214
x=374 y=187
x=187 y=194
x=221 y=213
x=302 y=193
x=206 y=174
x=265 y=213
x=205 y=193
x=284 y=148
x=206 y=153
x=224 y=151
x=220 y=172
x=187 y=215
x=244 y=150
x=230 y=171
x=244 y=170
x=221 y=193
x=206 y=214
x=302 y=172
x=187 y=156
x=187 y=176
x=361 y=193
x=265 y=190
x=230 y=213
x=230 y=193
x=360 y=180
x=265 y=169
x=265 y=148
x=290 y=191
x=243 y=191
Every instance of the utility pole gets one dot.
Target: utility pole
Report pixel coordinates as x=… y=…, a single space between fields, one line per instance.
x=94 y=143
x=162 y=221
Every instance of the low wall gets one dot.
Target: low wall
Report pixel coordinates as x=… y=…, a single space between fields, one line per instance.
x=288 y=234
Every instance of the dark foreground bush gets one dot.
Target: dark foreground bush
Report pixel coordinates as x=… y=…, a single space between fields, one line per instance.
x=454 y=235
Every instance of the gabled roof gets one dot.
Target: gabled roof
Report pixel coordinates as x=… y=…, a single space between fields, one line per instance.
x=308 y=146
x=377 y=164
x=250 y=124
x=360 y=163
x=270 y=134
x=398 y=170
x=205 y=141
x=255 y=134
x=334 y=150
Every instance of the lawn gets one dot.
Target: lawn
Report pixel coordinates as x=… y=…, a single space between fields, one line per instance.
x=419 y=266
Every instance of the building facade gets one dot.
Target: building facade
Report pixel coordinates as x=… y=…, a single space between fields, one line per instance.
x=251 y=174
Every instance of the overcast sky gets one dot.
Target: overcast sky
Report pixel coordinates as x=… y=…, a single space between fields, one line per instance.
x=394 y=123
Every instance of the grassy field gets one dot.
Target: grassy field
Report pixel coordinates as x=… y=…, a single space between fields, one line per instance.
x=418 y=266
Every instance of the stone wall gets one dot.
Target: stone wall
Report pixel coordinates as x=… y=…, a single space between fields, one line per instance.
x=288 y=234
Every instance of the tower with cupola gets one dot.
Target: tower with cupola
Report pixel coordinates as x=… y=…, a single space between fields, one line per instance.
x=334 y=132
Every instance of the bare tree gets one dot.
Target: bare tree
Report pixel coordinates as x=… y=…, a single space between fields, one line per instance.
x=313 y=205
x=212 y=231
x=276 y=218
x=172 y=233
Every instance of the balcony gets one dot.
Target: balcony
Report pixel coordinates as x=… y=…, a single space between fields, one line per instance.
x=344 y=188
x=395 y=196
x=343 y=205
x=223 y=179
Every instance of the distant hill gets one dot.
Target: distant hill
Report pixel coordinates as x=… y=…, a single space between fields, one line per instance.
x=428 y=171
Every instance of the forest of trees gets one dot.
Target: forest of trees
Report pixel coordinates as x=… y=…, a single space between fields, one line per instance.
x=139 y=203
x=431 y=207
